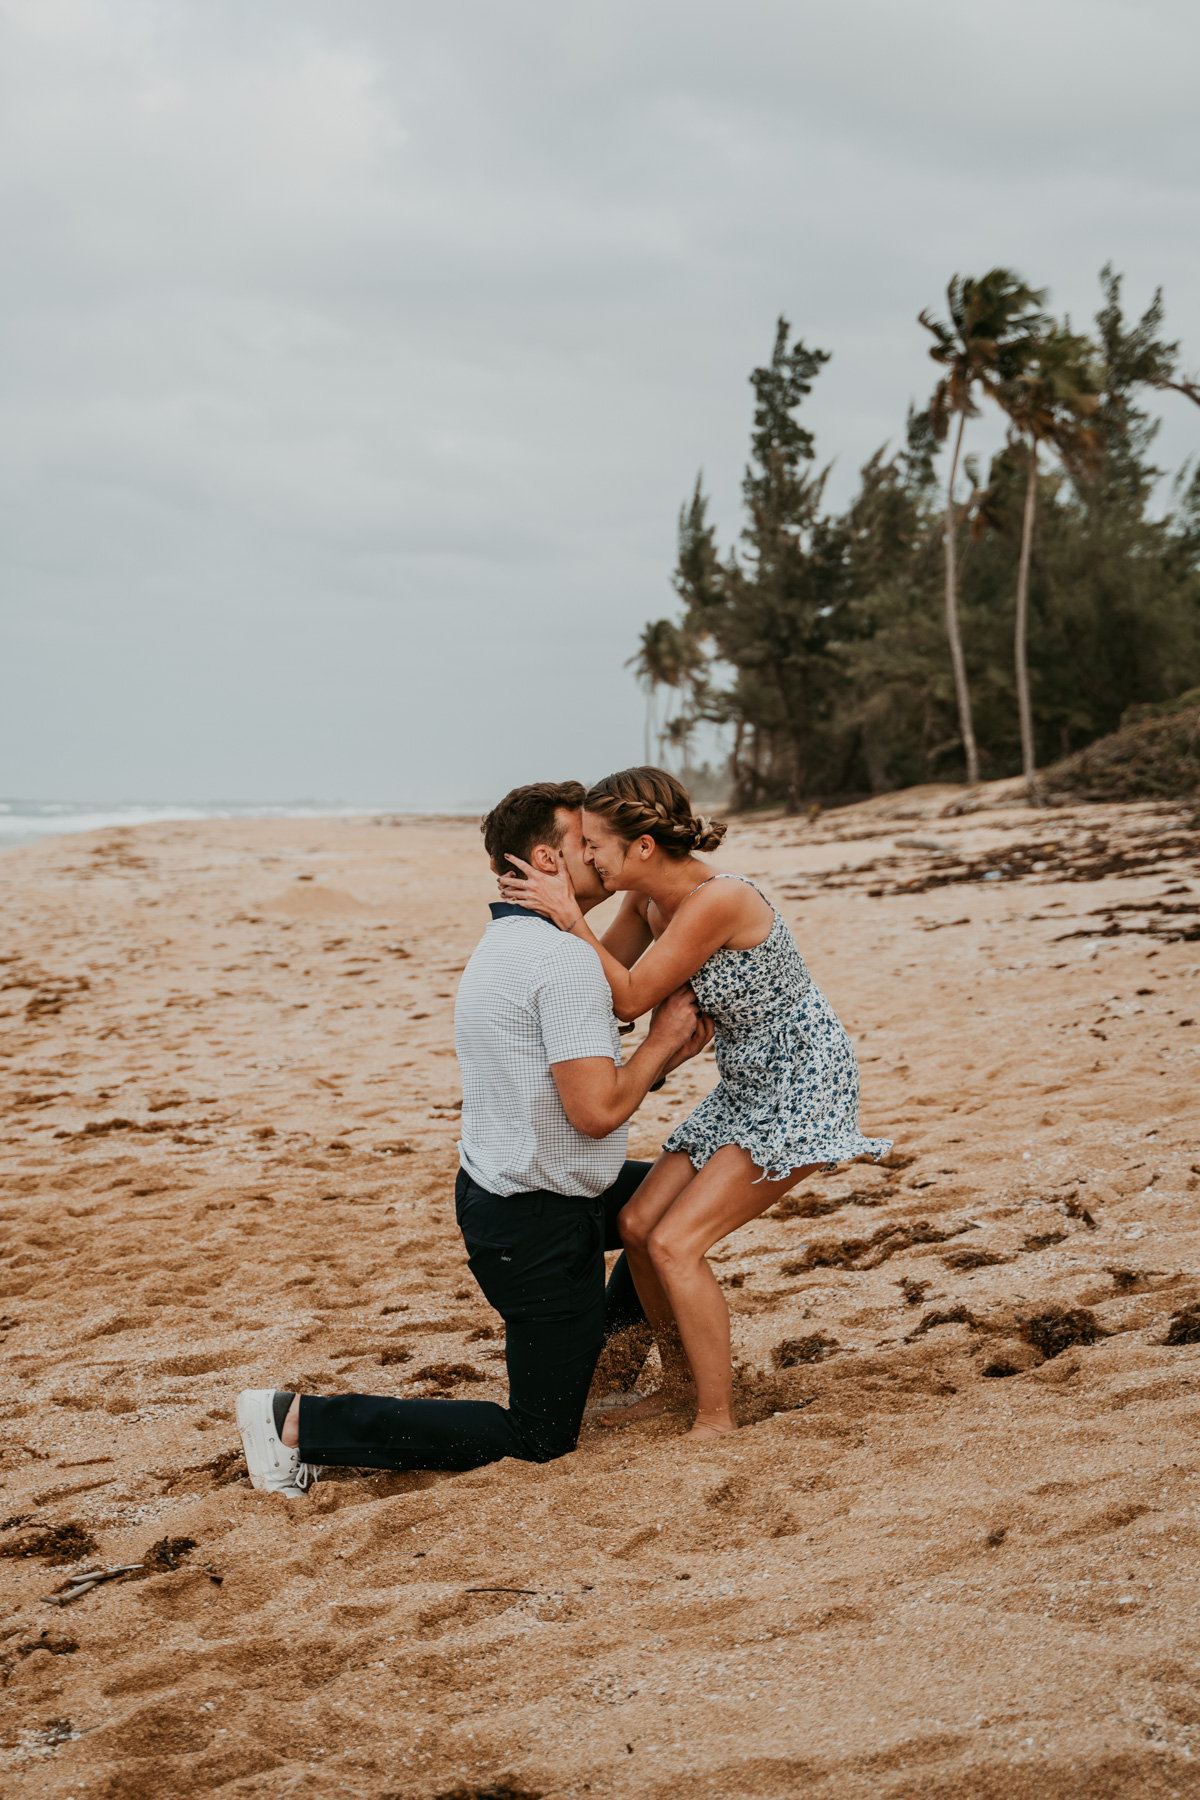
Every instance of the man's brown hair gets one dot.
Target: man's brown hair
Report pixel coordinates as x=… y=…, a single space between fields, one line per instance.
x=527 y=816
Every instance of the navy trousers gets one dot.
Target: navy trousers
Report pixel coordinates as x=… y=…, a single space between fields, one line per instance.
x=539 y=1259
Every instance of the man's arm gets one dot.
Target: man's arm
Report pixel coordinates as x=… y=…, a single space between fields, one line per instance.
x=598 y=1094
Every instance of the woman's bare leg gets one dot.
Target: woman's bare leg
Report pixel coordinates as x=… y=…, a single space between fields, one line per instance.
x=668 y=1178
x=724 y=1194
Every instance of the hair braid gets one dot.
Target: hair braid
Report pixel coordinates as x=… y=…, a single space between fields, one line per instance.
x=649 y=802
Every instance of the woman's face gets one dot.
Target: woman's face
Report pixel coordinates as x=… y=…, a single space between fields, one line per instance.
x=604 y=850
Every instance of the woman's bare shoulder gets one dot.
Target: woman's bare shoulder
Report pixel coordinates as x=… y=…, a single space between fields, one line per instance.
x=736 y=906
x=725 y=895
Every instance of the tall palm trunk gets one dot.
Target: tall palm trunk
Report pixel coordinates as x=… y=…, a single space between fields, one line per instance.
x=962 y=691
x=1020 y=653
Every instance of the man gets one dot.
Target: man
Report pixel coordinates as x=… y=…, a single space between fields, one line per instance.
x=546 y=1100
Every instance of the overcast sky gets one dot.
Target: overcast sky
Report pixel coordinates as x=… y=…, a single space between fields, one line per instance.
x=357 y=355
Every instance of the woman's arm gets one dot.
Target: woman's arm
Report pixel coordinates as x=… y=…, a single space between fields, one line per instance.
x=630 y=933
x=704 y=922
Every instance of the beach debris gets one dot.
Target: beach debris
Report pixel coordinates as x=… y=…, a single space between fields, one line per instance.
x=397 y=1147
x=446 y=1374
x=804 y=1204
x=1184 y=1326
x=1161 y=921
x=974 y=1259
x=1089 y=859
x=480 y=1332
x=166 y=1553
x=869 y=1253
x=226 y=1467
x=54 y=1543
x=52 y=994
x=925 y=843
x=1075 y=1209
x=398 y=1354
x=793 y=1351
x=56 y=1642
x=950 y=1315
x=51 y=1733
x=1126 y=1279
x=505 y=1789
x=78 y=1585
x=1060 y=1328
x=503 y=1590
x=1044 y=1240
x=914 y=1291
x=996 y=1536
x=65 y=1489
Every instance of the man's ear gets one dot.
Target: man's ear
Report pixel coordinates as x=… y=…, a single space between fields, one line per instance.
x=544 y=859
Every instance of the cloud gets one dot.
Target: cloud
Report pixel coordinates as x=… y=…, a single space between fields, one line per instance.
x=357 y=358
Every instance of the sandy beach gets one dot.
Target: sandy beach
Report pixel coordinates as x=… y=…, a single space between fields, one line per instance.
x=954 y=1550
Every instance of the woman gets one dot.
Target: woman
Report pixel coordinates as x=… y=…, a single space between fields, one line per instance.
x=787 y=1102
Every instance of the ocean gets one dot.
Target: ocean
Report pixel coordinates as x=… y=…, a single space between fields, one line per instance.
x=25 y=821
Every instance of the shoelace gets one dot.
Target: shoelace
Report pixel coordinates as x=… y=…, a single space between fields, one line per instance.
x=306 y=1474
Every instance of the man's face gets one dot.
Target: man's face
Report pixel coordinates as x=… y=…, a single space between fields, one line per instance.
x=584 y=879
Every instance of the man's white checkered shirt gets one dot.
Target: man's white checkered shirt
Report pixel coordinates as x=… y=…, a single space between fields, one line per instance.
x=530 y=996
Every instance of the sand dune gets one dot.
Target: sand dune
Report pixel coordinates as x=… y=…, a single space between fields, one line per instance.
x=954 y=1550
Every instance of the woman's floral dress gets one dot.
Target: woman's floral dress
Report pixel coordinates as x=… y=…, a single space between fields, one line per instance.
x=789 y=1080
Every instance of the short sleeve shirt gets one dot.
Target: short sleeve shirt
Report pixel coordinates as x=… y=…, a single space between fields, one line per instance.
x=531 y=996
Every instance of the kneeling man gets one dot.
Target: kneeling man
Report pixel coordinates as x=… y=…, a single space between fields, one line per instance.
x=546 y=1100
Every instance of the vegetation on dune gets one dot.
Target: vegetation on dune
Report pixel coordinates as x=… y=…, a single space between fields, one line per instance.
x=1156 y=753
x=930 y=632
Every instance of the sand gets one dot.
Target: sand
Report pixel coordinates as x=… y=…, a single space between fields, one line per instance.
x=935 y=1561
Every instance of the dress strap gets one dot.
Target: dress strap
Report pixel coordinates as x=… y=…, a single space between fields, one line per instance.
x=723 y=875
x=699 y=885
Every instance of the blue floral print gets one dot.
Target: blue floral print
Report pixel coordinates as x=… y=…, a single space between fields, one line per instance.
x=789 y=1079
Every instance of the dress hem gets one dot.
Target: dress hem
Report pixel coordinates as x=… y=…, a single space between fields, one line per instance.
x=873 y=1147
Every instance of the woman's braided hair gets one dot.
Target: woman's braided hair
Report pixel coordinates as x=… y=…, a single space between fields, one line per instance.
x=650 y=803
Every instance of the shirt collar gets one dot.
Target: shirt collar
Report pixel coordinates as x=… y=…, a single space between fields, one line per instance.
x=505 y=909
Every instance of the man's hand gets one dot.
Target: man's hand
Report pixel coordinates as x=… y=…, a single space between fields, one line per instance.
x=701 y=1038
x=674 y=1022
x=598 y=1095
x=539 y=891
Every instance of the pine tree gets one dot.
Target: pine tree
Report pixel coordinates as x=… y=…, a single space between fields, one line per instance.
x=768 y=614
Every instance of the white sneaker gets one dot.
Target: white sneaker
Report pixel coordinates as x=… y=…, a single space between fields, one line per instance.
x=272 y=1465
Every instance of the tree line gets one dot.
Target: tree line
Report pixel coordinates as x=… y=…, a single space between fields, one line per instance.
x=969 y=630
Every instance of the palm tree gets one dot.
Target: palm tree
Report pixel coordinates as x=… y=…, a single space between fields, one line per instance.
x=663 y=660
x=1048 y=401
x=992 y=322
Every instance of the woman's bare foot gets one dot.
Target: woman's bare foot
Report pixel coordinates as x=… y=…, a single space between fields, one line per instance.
x=662 y=1400
x=711 y=1425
